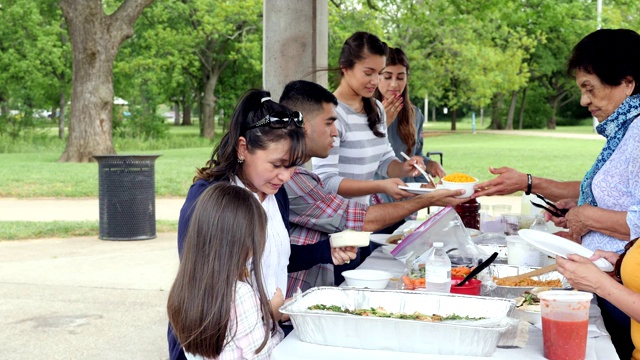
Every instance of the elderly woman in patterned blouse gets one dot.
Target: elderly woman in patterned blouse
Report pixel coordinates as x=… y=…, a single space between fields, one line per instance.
x=606 y=65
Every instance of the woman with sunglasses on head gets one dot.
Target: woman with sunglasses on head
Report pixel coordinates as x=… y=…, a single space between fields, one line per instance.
x=264 y=144
x=404 y=120
x=361 y=149
x=601 y=215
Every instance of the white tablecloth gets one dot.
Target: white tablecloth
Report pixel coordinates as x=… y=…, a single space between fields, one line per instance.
x=598 y=346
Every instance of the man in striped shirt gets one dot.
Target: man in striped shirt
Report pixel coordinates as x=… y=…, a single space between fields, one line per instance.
x=315 y=211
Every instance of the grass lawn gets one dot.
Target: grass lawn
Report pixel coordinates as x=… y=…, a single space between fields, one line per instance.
x=36 y=172
x=19 y=230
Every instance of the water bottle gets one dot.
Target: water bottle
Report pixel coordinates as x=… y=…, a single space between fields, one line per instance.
x=539 y=224
x=437 y=269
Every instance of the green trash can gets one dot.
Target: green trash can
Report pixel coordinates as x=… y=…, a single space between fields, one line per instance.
x=127 y=196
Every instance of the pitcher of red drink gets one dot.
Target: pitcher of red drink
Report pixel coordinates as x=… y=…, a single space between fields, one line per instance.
x=565 y=323
x=469 y=213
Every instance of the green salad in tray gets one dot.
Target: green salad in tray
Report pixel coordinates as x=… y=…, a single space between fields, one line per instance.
x=381 y=312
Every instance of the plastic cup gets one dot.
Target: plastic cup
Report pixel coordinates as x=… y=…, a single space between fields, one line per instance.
x=500 y=209
x=565 y=323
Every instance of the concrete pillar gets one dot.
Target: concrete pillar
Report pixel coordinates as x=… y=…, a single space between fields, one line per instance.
x=295 y=43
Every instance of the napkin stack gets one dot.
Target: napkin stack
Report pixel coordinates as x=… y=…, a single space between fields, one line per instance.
x=516 y=335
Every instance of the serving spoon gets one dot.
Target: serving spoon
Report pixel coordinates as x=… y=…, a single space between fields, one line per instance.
x=424 y=173
x=483 y=265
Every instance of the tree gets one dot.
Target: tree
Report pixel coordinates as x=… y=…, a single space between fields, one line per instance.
x=95 y=39
x=34 y=56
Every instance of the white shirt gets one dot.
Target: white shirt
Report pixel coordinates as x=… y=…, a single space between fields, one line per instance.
x=277 y=249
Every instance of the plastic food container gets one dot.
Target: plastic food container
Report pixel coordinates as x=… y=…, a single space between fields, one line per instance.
x=350 y=238
x=372 y=279
x=519 y=252
x=459 y=337
x=565 y=323
x=510 y=292
x=472 y=287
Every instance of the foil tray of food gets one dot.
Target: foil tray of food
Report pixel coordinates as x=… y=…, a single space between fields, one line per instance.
x=396 y=320
x=552 y=279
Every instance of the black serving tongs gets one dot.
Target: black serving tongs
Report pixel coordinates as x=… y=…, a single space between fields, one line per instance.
x=553 y=209
x=483 y=265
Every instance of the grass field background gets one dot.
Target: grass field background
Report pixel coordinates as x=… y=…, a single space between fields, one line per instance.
x=35 y=173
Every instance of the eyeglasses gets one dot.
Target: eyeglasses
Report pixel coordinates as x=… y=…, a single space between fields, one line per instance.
x=279 y=120
x=553 y=209
x=618 y=265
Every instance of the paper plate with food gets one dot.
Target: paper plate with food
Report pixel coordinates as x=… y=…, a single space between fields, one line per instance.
x=419 y=188
x=528 y=305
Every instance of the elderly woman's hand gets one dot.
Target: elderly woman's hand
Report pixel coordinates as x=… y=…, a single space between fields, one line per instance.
x=581 y=273
x=508 y=181
x=343 y=255
x=574 y=222
x=561 y=204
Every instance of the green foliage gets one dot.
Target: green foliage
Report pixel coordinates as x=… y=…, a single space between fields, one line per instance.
x=141 y=124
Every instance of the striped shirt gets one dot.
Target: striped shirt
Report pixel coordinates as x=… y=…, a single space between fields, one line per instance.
x=247 y=325
x=357 y=153
x=314 y=213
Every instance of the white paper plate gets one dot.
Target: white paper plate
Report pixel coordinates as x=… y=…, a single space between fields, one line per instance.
x=554 y=245
x=415 y=188
x=380 y=238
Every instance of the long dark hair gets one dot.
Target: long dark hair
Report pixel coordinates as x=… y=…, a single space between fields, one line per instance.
x=253 y=107
x=406 y=117
x=228 y=228
x=355 y=49
x=609 y=54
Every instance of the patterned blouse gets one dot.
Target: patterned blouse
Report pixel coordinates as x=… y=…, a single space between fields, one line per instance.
x=616 y=187
x=246 y=322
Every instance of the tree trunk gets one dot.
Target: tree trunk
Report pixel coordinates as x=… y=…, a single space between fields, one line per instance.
x=62 y=104
x=209 y=107
x=551 y=123
x=496 y=108
x=522 y=103
x=454 y=115
x=186 y=113
x=512 y=110
x=95 y=40
x=433 y=113
x=176 y=113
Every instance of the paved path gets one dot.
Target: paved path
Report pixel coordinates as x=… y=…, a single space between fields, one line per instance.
x=84 y=298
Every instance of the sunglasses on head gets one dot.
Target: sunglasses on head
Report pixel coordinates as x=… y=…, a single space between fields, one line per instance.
x=279 y=120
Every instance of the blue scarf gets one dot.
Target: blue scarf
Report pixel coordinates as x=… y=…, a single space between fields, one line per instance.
x=613 y=129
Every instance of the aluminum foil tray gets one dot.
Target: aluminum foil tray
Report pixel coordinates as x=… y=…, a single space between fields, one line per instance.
x=511 y=292
x=460 y=337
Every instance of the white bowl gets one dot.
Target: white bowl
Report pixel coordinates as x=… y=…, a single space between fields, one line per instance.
x=466 y=186
x=532 y=317
x=350 y=238
x=372 y=279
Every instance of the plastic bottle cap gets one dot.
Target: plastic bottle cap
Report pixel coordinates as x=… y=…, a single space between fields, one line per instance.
x=438 y=244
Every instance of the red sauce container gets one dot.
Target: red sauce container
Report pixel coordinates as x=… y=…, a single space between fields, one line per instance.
x=472 y=287
x=565 y=322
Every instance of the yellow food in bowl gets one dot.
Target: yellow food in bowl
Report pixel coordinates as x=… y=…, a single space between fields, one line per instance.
x=459 y=178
